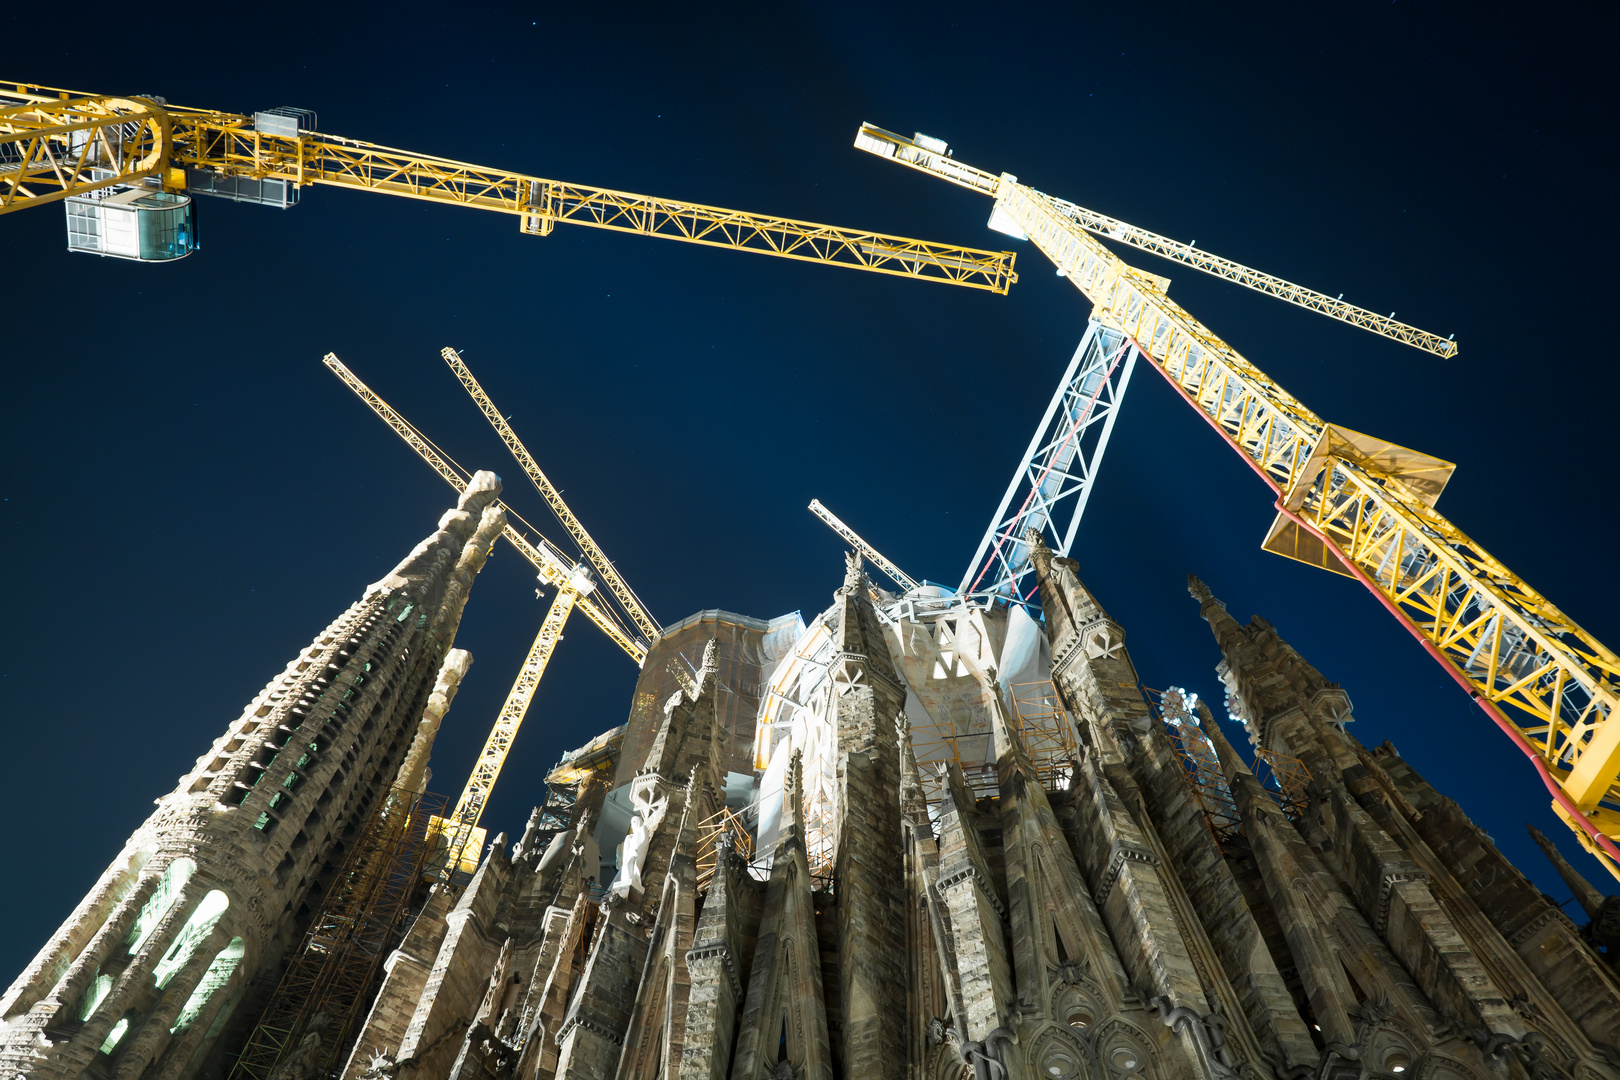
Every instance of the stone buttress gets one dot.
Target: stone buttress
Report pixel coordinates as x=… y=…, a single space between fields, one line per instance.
x=1145 y=902
x=680 y=782
x=871 y=903
x=1163 y=974
x=784 y=1016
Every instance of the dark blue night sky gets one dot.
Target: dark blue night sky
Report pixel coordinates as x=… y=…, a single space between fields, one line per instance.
x=190 y=496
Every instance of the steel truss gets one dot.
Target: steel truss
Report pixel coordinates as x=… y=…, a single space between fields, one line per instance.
x=48 y=129
x=336 y=969
x=1052 y=483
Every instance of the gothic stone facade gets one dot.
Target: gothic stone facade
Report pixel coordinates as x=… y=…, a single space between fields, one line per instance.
x=162 y=963
x=1084 y=922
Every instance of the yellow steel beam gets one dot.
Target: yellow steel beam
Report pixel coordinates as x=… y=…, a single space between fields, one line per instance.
x=917 y=155
x=53 y=144
x=546 y=557
x=485 y=771
x=1371 y=506
x=229 y=145
x=597 y=557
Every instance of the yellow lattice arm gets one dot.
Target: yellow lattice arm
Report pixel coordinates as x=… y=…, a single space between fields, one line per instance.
x=53 y=144
x=1371 y=503
x=545 y=557
x=501 y=735
x=931 y=156
x=229 y=144
x=1365 y=508
x=588 y=547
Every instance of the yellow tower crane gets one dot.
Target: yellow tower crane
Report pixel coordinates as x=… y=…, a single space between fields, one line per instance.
x=574 y=588
x=1346 y=502
x=119 y=159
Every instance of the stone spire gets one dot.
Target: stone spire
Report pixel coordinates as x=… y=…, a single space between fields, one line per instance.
x=1068 y=605
x=206 y=894
x=785 y=994
x=982 y=982
x=1590 y=899
x=1265 y=677
x=680 y=784
x=1286 y=868
x=413 y=773
x=867 y=696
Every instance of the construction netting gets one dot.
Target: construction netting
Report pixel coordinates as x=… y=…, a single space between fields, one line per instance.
x=747 y=650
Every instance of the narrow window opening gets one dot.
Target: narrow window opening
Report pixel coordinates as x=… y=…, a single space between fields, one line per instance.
x=163 y=899
x=114 y=1035
x=93 y=994
x=192 y=935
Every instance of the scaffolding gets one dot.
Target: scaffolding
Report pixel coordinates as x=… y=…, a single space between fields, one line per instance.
x=1046 y=730
x=709 y=832
x=327 y=985
x=1286 y=779
x=1200 y=767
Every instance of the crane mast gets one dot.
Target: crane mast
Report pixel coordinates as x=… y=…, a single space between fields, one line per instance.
x=461 y=826
x=1357 y=505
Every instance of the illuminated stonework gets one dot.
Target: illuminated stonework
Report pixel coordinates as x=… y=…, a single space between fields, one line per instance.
x=143 y=978
x=989 y=913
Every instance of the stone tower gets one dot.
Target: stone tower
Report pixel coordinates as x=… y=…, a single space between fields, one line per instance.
x=209 y=892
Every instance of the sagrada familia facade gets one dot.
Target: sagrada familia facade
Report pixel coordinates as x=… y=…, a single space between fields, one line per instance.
x=913 y=874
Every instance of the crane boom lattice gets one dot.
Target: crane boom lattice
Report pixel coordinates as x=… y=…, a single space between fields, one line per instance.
x=208 y=150
x=593 y=553
x=868 y=552
x=463 y=821
x=546 y=557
